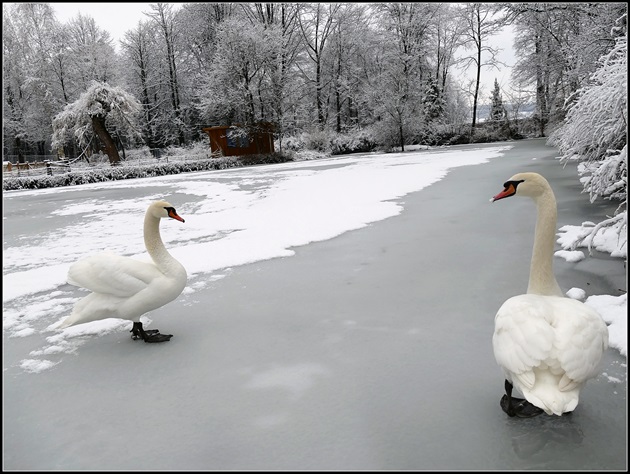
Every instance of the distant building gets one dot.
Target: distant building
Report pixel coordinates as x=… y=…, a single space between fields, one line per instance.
x=235 y=140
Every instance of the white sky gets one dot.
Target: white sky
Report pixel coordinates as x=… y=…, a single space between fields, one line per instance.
x=240 y=217
x=116 y=18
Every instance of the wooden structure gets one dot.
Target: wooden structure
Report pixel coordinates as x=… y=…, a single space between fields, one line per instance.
x=236 y=141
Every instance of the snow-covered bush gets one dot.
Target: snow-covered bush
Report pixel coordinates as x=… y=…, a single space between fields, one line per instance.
x=330 y=143
x=305 y=155
x=137 y=154
x=595 y=129
x=292 y=143
x=357 y=141
x=595 y=134
x=195 y=151
x=317 y=140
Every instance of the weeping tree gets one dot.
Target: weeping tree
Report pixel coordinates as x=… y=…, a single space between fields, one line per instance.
x=97 y=111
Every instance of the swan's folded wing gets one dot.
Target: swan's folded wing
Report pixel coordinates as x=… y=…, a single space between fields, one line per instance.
x=522 y=336
x=581 y=338
x=111 y=274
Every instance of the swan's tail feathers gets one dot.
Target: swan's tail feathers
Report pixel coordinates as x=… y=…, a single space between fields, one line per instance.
x=547 y=395
x=64 y=324
x=554 y=406
x=74 y=318
x=93 y=307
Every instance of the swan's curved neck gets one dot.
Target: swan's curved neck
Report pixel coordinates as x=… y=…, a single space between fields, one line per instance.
x=153 y=242
x=542 y=280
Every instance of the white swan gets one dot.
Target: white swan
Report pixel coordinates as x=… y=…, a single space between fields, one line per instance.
x=125 y=288
x=548 y=345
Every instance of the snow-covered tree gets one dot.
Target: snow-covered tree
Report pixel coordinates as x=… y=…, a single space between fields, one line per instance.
x=433 y=101
x=497 y=109
x=447 y=33
x=557 y=46
x=164 y=19
x=398 y=88
x=279 y=87
x=342 y=63
x=33 y=76
x=90 y=53
x=595 y=133
x=97 y=111
x=230 y=92
x=143 y=77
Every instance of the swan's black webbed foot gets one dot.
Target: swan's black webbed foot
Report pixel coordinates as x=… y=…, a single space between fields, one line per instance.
x=150 y=335
x=146 y=331
x=157 y=337
x=520 y=407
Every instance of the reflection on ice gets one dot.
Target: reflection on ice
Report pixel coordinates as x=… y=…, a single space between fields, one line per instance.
x=543 y=433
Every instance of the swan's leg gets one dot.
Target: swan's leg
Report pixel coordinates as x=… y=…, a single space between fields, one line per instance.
x=508 y=391
x=151 y=335
x=136 y=332
x=517 y=406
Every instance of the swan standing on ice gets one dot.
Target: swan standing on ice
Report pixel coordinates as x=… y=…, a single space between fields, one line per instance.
x=548 y=345
x=125 y=288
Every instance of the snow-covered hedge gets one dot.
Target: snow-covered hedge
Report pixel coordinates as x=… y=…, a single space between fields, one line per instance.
x=98 y=175
x=327 y=142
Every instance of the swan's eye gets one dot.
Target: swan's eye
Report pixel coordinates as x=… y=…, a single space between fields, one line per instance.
x=514 y=184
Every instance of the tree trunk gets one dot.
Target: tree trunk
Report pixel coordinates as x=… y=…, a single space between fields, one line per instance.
x=338 y=105
x=318 y=95
x=98 y=125
x=476 y=96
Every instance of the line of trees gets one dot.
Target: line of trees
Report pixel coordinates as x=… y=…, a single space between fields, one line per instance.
x=387 y=68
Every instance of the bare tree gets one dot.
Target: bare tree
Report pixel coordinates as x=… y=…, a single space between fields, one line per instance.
x=278 y=86
x=480 y=23
x=137 y=47
x=448 y=37
x=163 y=16
x=316 y=22
x=347 y=42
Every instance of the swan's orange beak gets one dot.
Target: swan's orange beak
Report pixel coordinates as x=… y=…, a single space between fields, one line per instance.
x=509 y=190
x=173 y=215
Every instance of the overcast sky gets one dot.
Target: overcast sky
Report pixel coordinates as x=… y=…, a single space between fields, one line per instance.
x=116 y=18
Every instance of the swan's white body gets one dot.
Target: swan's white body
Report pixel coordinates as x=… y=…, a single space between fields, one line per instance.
x=548 y=345
x=126 y=288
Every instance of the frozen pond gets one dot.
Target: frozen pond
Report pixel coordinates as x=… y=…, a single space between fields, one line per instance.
x=348 y=330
